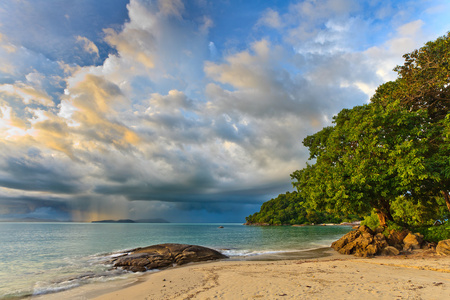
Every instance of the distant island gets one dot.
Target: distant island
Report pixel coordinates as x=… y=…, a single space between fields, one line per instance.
x=132 y=221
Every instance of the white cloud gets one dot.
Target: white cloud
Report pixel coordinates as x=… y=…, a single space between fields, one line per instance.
x=270 y=18
x=26 y=93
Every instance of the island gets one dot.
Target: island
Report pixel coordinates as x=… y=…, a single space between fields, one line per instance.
x=133 y=221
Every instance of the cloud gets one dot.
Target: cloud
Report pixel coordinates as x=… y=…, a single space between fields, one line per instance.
x=172 y=121
x=270 y=18
x=171 y=7
x=88 y=45
x=26 y=93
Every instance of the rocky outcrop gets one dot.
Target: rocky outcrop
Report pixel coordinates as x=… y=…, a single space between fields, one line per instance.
x=163 y=256
x=396 y=237
x=365 y=242
x=443 y=247
x=412 y=241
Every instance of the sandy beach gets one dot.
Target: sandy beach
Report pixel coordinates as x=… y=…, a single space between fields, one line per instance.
x=418 y=276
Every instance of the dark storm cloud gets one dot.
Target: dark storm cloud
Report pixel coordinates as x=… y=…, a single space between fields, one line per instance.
x=36 y=207
x=25 y=173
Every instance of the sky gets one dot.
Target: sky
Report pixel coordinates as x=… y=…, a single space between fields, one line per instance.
x=192 y=111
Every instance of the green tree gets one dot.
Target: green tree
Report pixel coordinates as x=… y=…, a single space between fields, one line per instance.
x=392 y=155
x=291 y=209
x=371 y=156
x=424 y=78
x=424 y=84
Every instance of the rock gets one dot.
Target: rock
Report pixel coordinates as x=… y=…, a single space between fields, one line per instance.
x=429 y=246
x=412 y=241
x=220 y=226
x=365 y=242
x=380 y=241
x=358 y=242
x=443 y=247
x=395 y=238
x=345 y=240
x=348 y=248
x=366 y=229
x=369 y=250
x=389 y=250
x=364 y=245
x=165 y=255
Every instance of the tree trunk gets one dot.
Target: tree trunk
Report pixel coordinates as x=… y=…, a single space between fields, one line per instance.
x=447 y=199
x=383 y=217
x=384 y=213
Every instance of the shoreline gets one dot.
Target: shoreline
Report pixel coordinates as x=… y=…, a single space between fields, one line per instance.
x=93 y=290
x=419 y=275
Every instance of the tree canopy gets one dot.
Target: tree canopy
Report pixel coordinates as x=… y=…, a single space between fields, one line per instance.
x=390 y=157
x=395 y=147
x=290 y=209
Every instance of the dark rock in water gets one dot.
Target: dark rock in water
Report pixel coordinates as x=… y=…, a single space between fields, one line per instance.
x=220 y=226
x=165 y=255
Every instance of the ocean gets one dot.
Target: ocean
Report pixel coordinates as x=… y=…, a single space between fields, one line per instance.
x=42 y=258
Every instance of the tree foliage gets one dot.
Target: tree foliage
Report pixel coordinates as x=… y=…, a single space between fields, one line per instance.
x=424 y=78
x=392 y=155
x=371 y=156
x=389 y=158
x=290 y=209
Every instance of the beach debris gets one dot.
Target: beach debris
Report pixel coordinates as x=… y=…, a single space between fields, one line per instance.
x=443 y=247
x=163 y=256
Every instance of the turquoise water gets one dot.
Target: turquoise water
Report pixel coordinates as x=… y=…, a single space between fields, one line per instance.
x=39 y=258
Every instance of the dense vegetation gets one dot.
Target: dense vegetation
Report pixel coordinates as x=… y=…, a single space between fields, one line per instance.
x=389 y=159
x=290 y=209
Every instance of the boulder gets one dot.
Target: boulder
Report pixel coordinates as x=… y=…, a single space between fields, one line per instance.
x=429 y=246
x=380 y=241
x=165 y=255
x=389 y=250
x=366 y=229
x=443 y=247
x=345 y=240
x=396 y=237
x=359 y=242
x=412 y=241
